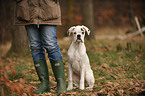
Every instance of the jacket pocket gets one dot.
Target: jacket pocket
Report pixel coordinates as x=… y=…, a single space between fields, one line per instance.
x=49 y=10
x=22 y=10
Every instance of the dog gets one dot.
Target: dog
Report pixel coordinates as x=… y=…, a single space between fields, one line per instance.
x=79 y=69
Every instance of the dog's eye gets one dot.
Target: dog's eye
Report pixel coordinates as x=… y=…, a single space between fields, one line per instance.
x=83 y=32
x=75 y=33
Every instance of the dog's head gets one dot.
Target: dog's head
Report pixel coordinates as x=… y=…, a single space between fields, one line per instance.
x=79 y=33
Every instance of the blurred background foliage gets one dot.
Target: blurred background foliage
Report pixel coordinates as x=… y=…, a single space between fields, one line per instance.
x=118 y=64
x=96 y=14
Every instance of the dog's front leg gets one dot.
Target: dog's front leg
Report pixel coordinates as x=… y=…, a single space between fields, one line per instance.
x=82 y=77
x=70 y=81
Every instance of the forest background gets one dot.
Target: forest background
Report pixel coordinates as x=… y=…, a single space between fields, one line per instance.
x=117 y=62
x=98 y=15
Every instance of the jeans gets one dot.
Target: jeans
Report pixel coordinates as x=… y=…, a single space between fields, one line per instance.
x=41 y=39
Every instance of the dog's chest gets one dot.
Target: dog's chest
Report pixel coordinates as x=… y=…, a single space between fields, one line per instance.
x=77 y=56
x=76 y=63
x=75 y=59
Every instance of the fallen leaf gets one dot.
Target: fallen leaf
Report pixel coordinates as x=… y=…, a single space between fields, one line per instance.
x=24 y=94
x=30 y=90
x=19 y=88
x=1 y=65
x=6 y=77
x=137 y=84
x=131 y=83
x=2 y=92
x=48 y=94
x=22 y=80
x=105 y=65
x=116 y=84
x=120 y=91
x=13 y=72
x=11 y=86
x=7 y=67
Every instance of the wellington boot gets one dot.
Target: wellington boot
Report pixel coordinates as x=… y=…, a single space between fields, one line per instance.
x=42 y=72
x=58 y=70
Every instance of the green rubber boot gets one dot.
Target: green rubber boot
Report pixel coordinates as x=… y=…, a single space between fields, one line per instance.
x=58 y=70
x=42 y=72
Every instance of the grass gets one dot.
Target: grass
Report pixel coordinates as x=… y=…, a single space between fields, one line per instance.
x=118 y=70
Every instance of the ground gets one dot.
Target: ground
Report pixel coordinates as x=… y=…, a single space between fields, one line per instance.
x=118 y=67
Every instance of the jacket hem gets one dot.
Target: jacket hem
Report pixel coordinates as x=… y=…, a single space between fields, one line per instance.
x=23 y=24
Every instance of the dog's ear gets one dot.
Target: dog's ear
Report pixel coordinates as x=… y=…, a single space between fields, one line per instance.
x=86 y=29
x=70 y=30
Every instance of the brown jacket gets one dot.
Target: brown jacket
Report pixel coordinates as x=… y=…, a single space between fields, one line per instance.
x=37 y=12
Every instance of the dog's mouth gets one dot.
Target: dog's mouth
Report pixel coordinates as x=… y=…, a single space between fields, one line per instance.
x=79 y=40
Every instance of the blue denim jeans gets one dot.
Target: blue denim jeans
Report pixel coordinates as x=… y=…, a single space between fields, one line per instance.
x=41 y=39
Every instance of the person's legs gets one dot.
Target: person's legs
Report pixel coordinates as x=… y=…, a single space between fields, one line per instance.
x=49 y=40
x=38 y=54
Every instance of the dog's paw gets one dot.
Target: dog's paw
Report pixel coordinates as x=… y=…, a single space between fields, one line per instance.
x=82 y=87
x=89 y=88
x=69 y=88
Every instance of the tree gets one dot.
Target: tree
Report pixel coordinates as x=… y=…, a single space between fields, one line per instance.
x=88 y=17
x=69 y=14
x=19 y=37
x=131 y=13
x=18 y=34
x=19 y=40
x=5 y=25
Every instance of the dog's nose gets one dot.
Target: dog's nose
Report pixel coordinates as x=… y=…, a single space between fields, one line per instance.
x=79 y=37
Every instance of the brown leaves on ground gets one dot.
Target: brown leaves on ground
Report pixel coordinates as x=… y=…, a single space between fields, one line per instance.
x=111 y=79
x=14 y=86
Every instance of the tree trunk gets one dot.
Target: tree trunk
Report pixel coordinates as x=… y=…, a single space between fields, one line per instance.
x=69 y=14
x=19 y=41
x=88 y=17
x=132 y=21
x=5 y=19
x=19 y=36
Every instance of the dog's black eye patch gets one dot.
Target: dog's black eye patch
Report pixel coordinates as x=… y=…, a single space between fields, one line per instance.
x=82 y=29
x=75 y=33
